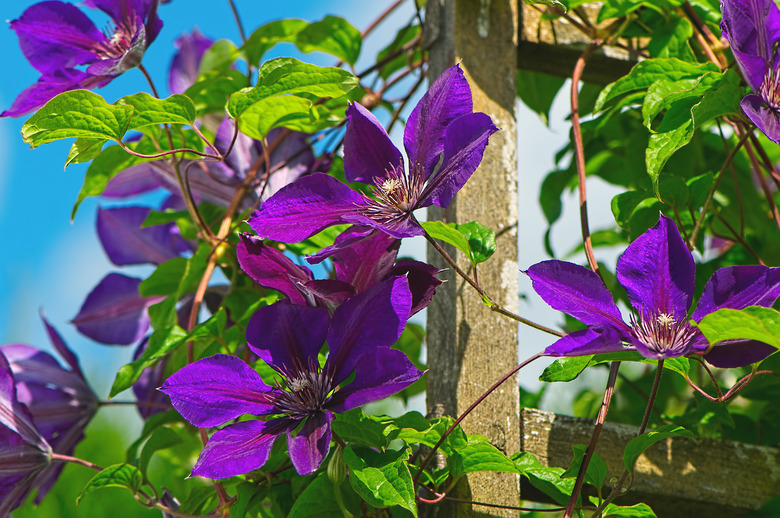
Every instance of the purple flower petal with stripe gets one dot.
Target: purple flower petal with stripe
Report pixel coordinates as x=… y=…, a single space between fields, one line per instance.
x=114 y=313
x=125 y=242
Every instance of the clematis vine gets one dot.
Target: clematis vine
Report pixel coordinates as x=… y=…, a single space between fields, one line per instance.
x=357 y=268
x=218 y=389
x=657 y=271
x=56 y=37
x=752 y=28
x=444 y=142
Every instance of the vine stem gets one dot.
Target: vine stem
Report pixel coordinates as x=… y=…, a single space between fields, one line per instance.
x=764 y=186
x=579 y=152
x=492 y=304
x=468 y=411
x=711 y=193
x=58 y=457
x=642 y=427
x=238 y=21
x=594 y=438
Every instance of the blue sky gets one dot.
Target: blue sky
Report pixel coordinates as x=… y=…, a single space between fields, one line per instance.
x=46 y=261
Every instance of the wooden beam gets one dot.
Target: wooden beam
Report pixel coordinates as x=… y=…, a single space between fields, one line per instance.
x=469 y=346
x=679 y=477
x=553 y=46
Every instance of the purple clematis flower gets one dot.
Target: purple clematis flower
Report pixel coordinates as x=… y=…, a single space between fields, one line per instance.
x=357 y=267
x=218 y=389
x=444 y=142
x=59 y=400
x=24 y=453
x=657 y=271
x=56 y=37
x=752 y=28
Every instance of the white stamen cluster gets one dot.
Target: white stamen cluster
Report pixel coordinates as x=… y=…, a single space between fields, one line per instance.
x=396 y=194
x=303 y=392
x=662 y=332
x=770 y=88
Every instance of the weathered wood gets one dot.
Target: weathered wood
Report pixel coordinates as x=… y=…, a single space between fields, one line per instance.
x=679 y=477
x=553 y=47
x=470 y=347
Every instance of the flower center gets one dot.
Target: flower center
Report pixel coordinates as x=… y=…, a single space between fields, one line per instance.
x=303 y=392
x=663 y=334
x=397 y=195
x=770 y=88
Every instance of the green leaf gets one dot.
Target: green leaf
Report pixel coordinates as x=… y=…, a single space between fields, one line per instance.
x=319 y=499
x=685 y=115
x=84 y=150
x=638 y=445
x=481 y=240
x=288 y=76
x=356 y=427
x=538 y=90
x=548 y=480
x=404 y=36
x=176 y=109
x=268 y=35
x=219 y=57
x=595 y=475
x=448 y=234
x=212 y=90
x=381 y=478
x=478 y=456
x=634 y=511
x=565 y=369
x=751 y=323
x=664 y=93
x=160 y=343
x=118 y=475
x=264 y=115
x=647 y=72
x=76 y=114
x=162 y=438
x=165 y=278
x=333 y=35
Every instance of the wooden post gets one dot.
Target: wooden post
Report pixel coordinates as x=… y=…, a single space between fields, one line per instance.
x=469 y=346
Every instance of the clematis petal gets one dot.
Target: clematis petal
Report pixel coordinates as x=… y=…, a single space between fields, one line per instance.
x=464 y=144
x=371 y=319
x=765 y=118
x=304 y=208
x=448 y=98
x=114 y=313
x=125 y=242
x=239 y=448
x=576 y=291
x=751 y=27
x=61 y=347
x=366 y=262
x=354 y=234
x=737 y=287
x=587 y=341
x=368 y=151
x=54 y=35
x=657 y=271
x=738 y=353
x=311 y=445
x=287 y=336
x=379 y=374
x=422 y=281
x=216 y=389
x=134 y=180
x=50 y=85
x=184 y=67
x=271 y=268
x=327 y=293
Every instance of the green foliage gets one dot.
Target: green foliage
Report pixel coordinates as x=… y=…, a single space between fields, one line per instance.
x=381 y=478
x=118 y=475
x=754 y=323
x=638 y=445
x=474 y=240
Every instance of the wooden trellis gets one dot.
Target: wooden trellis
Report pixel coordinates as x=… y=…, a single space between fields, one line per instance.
x=470 y=347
